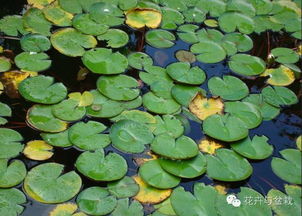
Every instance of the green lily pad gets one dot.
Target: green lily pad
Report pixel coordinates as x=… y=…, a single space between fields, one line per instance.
x=228 y=87
x=208 y=52
x=201 y=203
x=96 y=201
x=284 y=55
x=289 y=168
x=71 y=42
x=185 y=56
x=33 y=61
x=242 y=42
x=87 y=136
x=106 y=13
x=77 y=6
x=255 y=149
x=35 y=43
x=209 y=35
x=104 y=61
x=182 y=72
x=34 y=21
x=214 y=7
x=231 y=21
x=153 y=174
x=115 y=38
x=46 y=183
x=84 y=24
x=226 y=165
x=11 y=202
x=154 y=74
x=190 y=168
x=225 y=127
x=291 y=200
x=10 y=143
x=126 y=5
x=164 y=208
x=160 y=38
x=130 y=136
x=279 y=96
x=160 y=105
x=5 y=64
x=162 y=88
x=181 y=148
x=175 y=4
x=241 y=6
x=187 y=33
x=248 y=113
x=42 y=89
x=84 y=99
x=138 y=116
x=68 y=110
x=139 y=60
x=41 y=118
x=97 y=166
x=184 y=94
x=246 y=65
x=118 y=87
x=5 y=111
x=126 y=187
x=11 y=174
x=57 y=139
x=211 y=23
x=246 y=207
x=55 y=14
x=168 y=124
x=171 y=18
x=124 y=208
x=194 y=15
x=12 y=25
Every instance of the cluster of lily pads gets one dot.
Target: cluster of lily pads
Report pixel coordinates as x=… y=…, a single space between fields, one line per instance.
x=150 y=122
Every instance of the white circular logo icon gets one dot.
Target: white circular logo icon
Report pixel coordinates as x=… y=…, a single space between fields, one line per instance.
x=236 y=203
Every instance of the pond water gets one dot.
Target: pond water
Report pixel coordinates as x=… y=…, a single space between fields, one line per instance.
x=282 y=131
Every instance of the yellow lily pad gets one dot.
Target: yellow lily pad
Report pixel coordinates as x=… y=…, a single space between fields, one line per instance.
x=211 y=23
x=11 y=81
x=141 y=17
x=299 y=142
x=1 y=49
x=1 y=88
x=299 y=50
x=85 y=99
x=209 y=146
x=203 y=107
x=39 y=3
x=149 y=194
x=281 y=76
x=221 y=189
x=66 y=209
x=38 y=150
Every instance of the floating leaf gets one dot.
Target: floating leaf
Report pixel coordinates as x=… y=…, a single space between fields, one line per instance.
x=194 y=15
x=123 y=208
x=57 y=139
x=39 y=3
x=99 y=167
x=160 y=105
x=256 y=149
x=42 y=89
x=299 y=142
x=184 y=94
x=141 y=17
x=226 y=165
x=115 y=38
x=96 y=201
x=46 y=183
x=104 y=61
x=208 y=52
x=35 y=43
x=281 y=76
x=246 y=65
x=11 y=174
x=87 y=136
x=84 y=99
x=38 y=150
x=211 y=23
x=153 y=174
x=164 y=208
x=139 y=60
x=76 y=6
x=34 y=21
x=209 y=146
x=55 y=14
x=41 y=118
x=185 y=56
x=67 y=209
x=203 y=107
x=11 y=202
x=187 y=33
x=10 y=143
x=168 y=124
x=71 y=42
x=5 y=111
x=231 y=21
x=284 y=55
x=68 y=110
x=126 y=187
x=289 y=168
x=33 y=61
x=84 y=24
x=12 y=25
x=279 y=96
x=5 y=64
x=160 y=38
x=11 y=81
x=242 y=42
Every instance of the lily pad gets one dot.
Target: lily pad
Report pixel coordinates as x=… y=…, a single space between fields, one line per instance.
x=41 y=118
x=284 y=55
x=12 y=25
x=185 y=56
x=126 y=187
x=190 y=168
x=171 y=18
x=228 y=87
x=10 y=143
x=137 y=116
x=153 y=74
x=118 y=87
x=39 y=3
x=227 y=128
x=115 y=38
x=231 y=21
x=104 y=61
x=181 y=148
x=187 y=33
x=76 y=6
x=11 y=202
x=130 y=136
x=208 y=52
x=289 y=168
x=84 y=99
x=38 y=150
x=168 y=124
x=141 y=17
x=124 y=208
x=57 y=139
x=5 y=111
x=226 y=165
x=35 y=43
x=68 y=110
x=33 y=61
x=46 y=183
x=86 y=136
x=279 y=96
x=96 y=201
x=255 y=149
x=153 y=174
x=55 y=14
x=139 y=60
x=11 y=174
x=242 y=42
x=99 y=167
x=211 y=22
x=84 y=24
x=71 y=42
x=34 y=21
x=184 y=94
x=42 y=89
x=67 y=209
x=281 y=76
x=182 y=72
x=160 y=105
x=246 y=65
x=5 y=64
x=160 y=38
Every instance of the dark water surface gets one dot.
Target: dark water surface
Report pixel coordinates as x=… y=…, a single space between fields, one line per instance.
x=282 y=131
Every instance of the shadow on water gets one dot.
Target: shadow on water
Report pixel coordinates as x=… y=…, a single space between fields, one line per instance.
x=282 y=131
